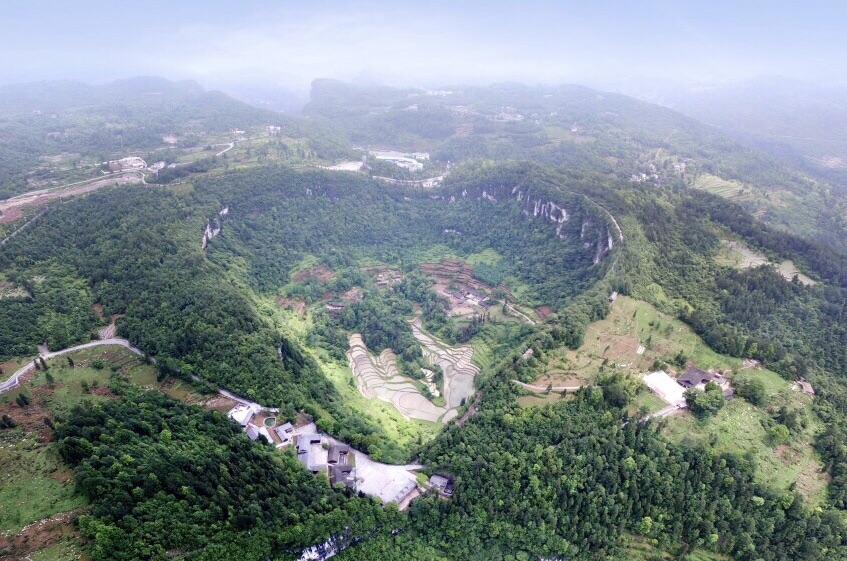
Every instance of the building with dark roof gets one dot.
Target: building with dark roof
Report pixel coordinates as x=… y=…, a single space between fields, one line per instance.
x=442 y=484
x=284 y=432
x=342 y=474
x=693 y=377
x=337 y=453
x=306 y=453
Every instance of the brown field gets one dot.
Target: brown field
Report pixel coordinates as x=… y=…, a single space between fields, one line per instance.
x=320 y=272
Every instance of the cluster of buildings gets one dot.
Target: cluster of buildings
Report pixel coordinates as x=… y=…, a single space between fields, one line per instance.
x=696 y=378
x=318 y=454
x=672 y=390
x=470 y=295
x=125 y=164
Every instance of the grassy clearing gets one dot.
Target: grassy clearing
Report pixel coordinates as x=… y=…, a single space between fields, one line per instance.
x=736 y=254
x=616 y=339
x=639 y=548
x=487 y=257
x=646 y=402
x=540 y=400
x=68 y=549
x=34 y=484
x=732 y=190
x=739 y=427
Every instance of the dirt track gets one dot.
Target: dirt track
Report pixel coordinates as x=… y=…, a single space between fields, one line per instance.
x=11 y=207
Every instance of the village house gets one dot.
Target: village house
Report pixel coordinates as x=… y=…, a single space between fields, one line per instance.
x=306 y=453
x=337 y=453
x=342 y=474
x=284 y=432
x=442 y=484
x=697 y=378
x=241 y=414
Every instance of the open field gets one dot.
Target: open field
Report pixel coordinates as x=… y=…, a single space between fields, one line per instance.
x=639 y=548
x=734 y=253
x=34 y=483
x=614 y=342
x=739 y=427
x=732 y=190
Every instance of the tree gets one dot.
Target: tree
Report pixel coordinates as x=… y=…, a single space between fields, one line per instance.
x=751 y=389
x=705 y=403
x=778 y=434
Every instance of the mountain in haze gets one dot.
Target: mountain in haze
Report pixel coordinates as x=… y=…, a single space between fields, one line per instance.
x=98 y=122
x=798 y=121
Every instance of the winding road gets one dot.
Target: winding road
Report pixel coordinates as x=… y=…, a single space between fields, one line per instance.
x=14 y=380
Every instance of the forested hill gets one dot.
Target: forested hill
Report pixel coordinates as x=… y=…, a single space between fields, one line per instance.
x=578 y=128
x=568 y=480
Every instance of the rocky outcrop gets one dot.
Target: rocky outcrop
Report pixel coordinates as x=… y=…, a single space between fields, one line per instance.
x=213 y=228
x=557 y=208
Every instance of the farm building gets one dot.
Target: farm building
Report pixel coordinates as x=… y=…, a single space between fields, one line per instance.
x=306 y=453
x=241 y=414
x=337 y=453
x=284 y=432
x=442 y=484
x=341 y=474
x=805 y=386
x=254 y=432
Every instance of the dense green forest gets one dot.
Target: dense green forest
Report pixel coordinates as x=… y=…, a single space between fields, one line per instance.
x=166 y=479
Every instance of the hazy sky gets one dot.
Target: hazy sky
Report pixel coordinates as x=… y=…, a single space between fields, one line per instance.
x=402 y=42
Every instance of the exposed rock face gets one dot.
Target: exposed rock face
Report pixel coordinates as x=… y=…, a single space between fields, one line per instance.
x=211 y=231
x=535 y=202
x=213 y=227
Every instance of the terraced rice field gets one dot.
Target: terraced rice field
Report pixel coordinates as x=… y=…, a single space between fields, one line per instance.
x=459 y=371
x=377 y=377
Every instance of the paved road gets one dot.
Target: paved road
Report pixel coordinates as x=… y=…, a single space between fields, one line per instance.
x=544 y=389
x=229 y=147
x=14 y=380
x=667 y=411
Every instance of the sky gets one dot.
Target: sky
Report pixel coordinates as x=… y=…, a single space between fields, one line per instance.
x=287 y=43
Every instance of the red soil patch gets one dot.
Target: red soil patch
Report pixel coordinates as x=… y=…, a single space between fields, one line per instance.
x=10 y=215
x=320 y=272
x=543 y=311
x=295 y=305
x=31 y=417
x=98 y=309
x=40 y=535
x=219 y=403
